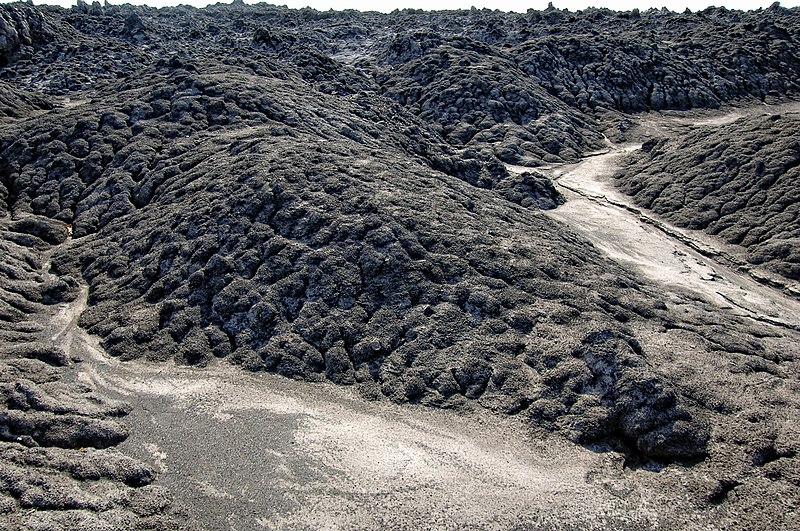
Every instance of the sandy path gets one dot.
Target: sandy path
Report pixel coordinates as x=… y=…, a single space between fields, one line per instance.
x=676 y=258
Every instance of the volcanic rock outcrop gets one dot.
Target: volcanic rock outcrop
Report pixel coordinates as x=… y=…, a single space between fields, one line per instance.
x=325 y=196
x=58 y=463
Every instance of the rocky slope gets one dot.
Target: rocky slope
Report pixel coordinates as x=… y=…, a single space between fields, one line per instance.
x=324 y=196
x=357 y=262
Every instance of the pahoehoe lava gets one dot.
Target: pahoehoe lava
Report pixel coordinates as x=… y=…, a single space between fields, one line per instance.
x=362 y=199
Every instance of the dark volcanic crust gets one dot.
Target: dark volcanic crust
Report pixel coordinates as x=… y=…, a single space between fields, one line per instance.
x=272 y=206
x=312 y=239
x=324 y=196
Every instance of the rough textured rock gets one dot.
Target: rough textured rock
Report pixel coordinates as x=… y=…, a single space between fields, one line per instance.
x=477 y=95
x=325 y=196
x=21 y=28
x=18 y=103
x=325 y=218
x=659 y=60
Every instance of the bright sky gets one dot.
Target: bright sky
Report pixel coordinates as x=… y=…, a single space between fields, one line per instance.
x=505 y=5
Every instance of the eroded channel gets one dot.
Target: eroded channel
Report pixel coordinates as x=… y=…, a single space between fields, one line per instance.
x=676 y=258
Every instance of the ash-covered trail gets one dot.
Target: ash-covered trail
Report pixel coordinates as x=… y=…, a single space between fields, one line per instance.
x=679 y=259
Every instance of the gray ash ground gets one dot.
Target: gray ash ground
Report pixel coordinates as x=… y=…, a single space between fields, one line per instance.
x=325 y=196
